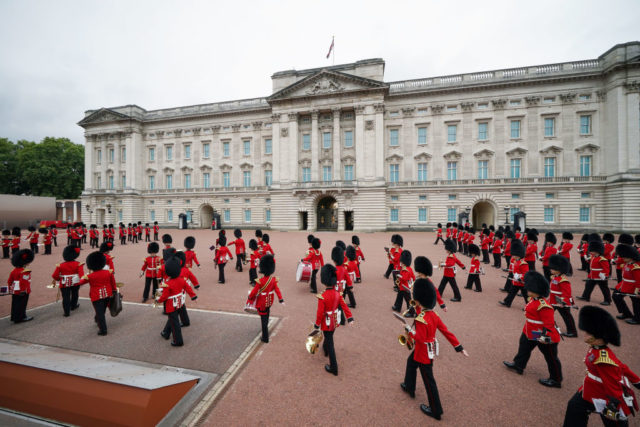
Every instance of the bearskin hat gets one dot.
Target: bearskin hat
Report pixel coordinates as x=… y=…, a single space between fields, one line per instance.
x=424 y=293
x=355 y=240
x=474 y=249
x=139 y=222
x=596 y=246
x=509 y=235
x=237 y=233
x=155 y=222
x=337 y=255
x=104 y=226
x=259 y=233
x=43 y=230
x=472 y=230
x=146 y=224
x=70 y=253
x=253 y=245
x=405 y=258
x=492 y=228
x=637 y=239
x=535 y=230
x=486 y=231
x=31 y=228
x=328 y=275
x=460 y=226
x=173 y=267
x=484 y=225
x=599 y=323
x=266 y=238
x=594 y=237
x=168 y=253
x=550 y=237
x=396 y=239
x=6 y=232
x=166 y=239
x=507 y=228
x=222 y=241
x=111 y=225
x=567 y=236
x=153 y=248
x=22 y=258
x=350 y=253
x=106 y=247
x=559 y=263
x=518 y=228
x=517 y=248
x=536 y=282
x=315 y=244
x=454 y=224
x=422 y=265
x=626 y=239
x=448 y=225
x=223 y=233
x=310 y=238
x=449 y=245
x=627 y=251
x=608 y=237
x=584 y=238
x=532 y=236
x=340 y=244
x=499 y=234
x=501 y=228
x=267 y=265
x=439 y=225
x=182 y=257
x=190 y=242
x=96 y=261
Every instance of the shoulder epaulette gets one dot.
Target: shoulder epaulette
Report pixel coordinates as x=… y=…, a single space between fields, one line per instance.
x=543 y=304
x=635 y=266
x=603 y=357
x=603 y=258
x=57 y=265
x=319 y=296
x=420 y=318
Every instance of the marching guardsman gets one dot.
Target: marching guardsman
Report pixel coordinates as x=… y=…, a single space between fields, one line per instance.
x=191 y=279
x=497 y=250
x=156 y=230
x=629 y=285
x=6 y=243
x=439 y=234
x=449 y=271
x=223 y=255
x=344 y=282
x=539 y=331
x=393 y=255
x=560 y=293
x=150 y=269
x=68 y=275
x=266 y=247
x=102 y=284
x=19 y=283
x=352 y=267
x=623 y=239
x=426 y=347
x=147 y=232
x=424 y=270
x=492 y=232
x=506 y=251
x=448 y=235
x=609 y=249
x=598 y=273
x=454 y=233
x=405 y=285
x=254 y=260
x=474 y=269
x=140 y=231
x=531 y=250
x=47 y=239
x=191 y=257
x=484 y=245
x=258 y=235
x=328 y=316
x=636 y=243
x=105 y=233
x=80 y=232
x=92 y=236
x=606 y=389
x=314 y=257
x=15 y=241
x=105 y=249
x=460 y=238
x=517 y=270
x=583 y=251
x=264 y=290
x=122 y=232
x=548 y=250
x=565 y=249
x=167 y=240
x=355 y=241
x=54 y=234
x=517 y=233
x=32 y=237
x=112 y=233
x=173 y=297
x=240 y=249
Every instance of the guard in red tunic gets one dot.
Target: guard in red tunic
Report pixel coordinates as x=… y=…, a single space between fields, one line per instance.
x=355 y=241
x=598 y=273
x=629 y=285
x=606 y=389
x=448 y=233
x=6 y=243
x=264 y=290
x=517 y=269
x=240 y=249
x=54 y=234
x=548 y=250
x=583 y=251
x=223 y=255
x=47 y=239
x=449 y=271
x=67 y=275
x=609 y=249
x=254 y=260
x=314 y=257
x=623 y=239
x=439 y=235
x=15 y=241
x=531 y=250
x=191 y=257
x=266 y=247
x=506 y=249
x=32 y=238
x=147 y=232
x=174 y=298
x=150 y=269
x=19 y=283
x=560 y=293
x=93 y=236
x=426 y=347
x=156 y=230
x=344 y=285
x=328 y=317
x=102 y=284
x=474 y=269
x=405 y=285
x=393 y=255
x=258 y=235
x=424 y=270
x=352 y=267
x=122 y=233
x=497 y=249
x=565 y=249
x=106 y=249
x=460 y=238
x=539 y=331
x=485 y=243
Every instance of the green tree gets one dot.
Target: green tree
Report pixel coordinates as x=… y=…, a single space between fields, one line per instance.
x=10 y=177
x=52 y=168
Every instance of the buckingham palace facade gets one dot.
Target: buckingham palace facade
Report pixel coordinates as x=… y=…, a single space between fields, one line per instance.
x=339 y=148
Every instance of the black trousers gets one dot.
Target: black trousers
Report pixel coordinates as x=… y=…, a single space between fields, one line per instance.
x=584 y=264
x=465 y=248
x=77 y=242
x=474 y=279
x=512 y=292
x=69 y=240
x=34 y=247
x=578 y=411
x=508 y=284
x=14 y=250
x=312 y=282
x=47 y=249
x=439 y=238
x=147 y=237
x=621 y=305
x=329 y=350
x=402 y=295
x=507 y=260
x=19 y=307
x=485 y=256
x=454 y=286
x=148 y=282
x=618 y=275
x=565 y=313
x=253 y=275
x=239 y=260
x=155 y=236
x=591 y=284
x=426 y=371
x=123 y=240
x=348 y=292
x=497 y=260
x=532 y=265
x=69 y=298
x=134 y=238
x=388 y=272
x=549 y=351
x=460 y=246
x=100 y=307
x=221 y=272
x=5 y=252
x=55 y=241
x=172 y=327
x=570 y=273
x=264 y=321
x=547 y=273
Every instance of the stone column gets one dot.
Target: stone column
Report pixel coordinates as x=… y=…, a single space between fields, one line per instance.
x=105 y=160
x=134 y=160
x=64 y=210
x=292 y=148
x=75 y=211
x=314 y=147
x=379 y=174
x=275 y=126
x=359 y=135
x=337 y=172
x=89 y=161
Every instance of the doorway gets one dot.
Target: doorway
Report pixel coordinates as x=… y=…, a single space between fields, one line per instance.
x=303 y=220
x=348 y=220
x=99 y=217
x=206 y=216
x=327 y=214
x=483 y=213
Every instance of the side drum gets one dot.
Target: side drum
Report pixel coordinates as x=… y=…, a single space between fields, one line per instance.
x=303 y=274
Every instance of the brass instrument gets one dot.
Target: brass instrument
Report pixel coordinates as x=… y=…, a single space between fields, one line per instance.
x=313 y=341
x=156 y=297
x=405 y=339
x=412 y=306
x=441 y=264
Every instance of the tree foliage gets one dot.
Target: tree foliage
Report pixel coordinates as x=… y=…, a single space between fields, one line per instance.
x=52 y=168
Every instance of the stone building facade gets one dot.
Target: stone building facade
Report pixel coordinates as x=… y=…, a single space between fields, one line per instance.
x=339 y=148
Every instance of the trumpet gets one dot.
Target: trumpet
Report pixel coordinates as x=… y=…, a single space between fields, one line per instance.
x=412 y=307
x=441 y=264
x=407 y=340
x=313 y=341
x=156 y=297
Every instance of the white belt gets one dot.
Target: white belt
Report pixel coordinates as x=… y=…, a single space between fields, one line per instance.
x=537 y=322
x=596 y=269
x=267 y=293
x=593 y=377
x=556 y=292
x=74 y=278
x=628 y=280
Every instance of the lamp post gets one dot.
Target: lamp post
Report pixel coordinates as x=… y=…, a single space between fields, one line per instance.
x=506 y=214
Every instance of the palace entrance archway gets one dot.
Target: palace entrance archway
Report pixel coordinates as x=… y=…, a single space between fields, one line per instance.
x=483 y=212
x=327 y=214
x=206 y=216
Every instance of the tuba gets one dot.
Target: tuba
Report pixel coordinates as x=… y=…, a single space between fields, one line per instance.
x=313 y=341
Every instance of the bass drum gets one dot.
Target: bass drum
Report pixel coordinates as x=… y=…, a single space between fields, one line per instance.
x=303 y=274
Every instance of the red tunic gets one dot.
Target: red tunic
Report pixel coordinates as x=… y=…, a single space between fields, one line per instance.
x=110 y=263
x=239 y=244
x=565 y=250
x=191 y=257
x=630 y=283
x=254 y=259
x=156 y=228
x=68 y=273
x=599 y=268
x=424 y=335
x=548 y=251
x=264 y=290
x=173 y=295
x=520 y=268
x=530 y=251
x=352 y=270
x=19 y=281
x=33 y=237
x=497 y=246
x=609 y=250
x=6 y=242
x=343 y=280
x=315 y=258
x=47 y=238
x=507 y=248
x=475 y=265
x=406 y=279
x=560 y=294
x=102 y=284
x=327 y=314
x=439 y=232
x=450 y=263
x=394 y=257
x=151 y=265
x=539 y=315
x=486 y=241
x=222 y=255
x=191 y=279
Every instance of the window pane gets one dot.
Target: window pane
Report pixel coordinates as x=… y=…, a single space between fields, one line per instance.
x=585 y=165
x=585 y=125
x=549 y=127
x=452 y=170
x=206 y=178
x=267 y=146
x=394 y=173
x=227 y=215
x=187 y=181
x=247 y=147
x=451 y=133
x=422 y=135
x=483 y=169
x=515 y=128
x=326 y=173
x=306 y=174
x=394 y=215
x=267 y=178
x=482 y=131
x=152 y=182
x=187 y=151
x=451 y=214
x=169 y=153
x=226 y=179
x=326 y=140
x=306 y=141
x=512 y=212
x=393 y=137
x=548 y=214
x=348 y=173
x=169 y=182
x=268 y=215
x=170 y=215
x=585 y=214
x=152 y=215
x=247 y=215
x=422 y=172
x=225 y=149
x=246 y=178
x=422 y=214
x=205 y=151
x=348 y=139
x=515 y=168
x=549 y=167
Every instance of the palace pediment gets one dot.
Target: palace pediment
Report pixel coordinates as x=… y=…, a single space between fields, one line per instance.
x=327 y=83
x=104 y=115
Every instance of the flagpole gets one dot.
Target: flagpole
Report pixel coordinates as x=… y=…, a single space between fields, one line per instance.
x=334 y=49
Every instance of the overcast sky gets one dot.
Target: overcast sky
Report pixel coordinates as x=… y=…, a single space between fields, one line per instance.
x=60 y=58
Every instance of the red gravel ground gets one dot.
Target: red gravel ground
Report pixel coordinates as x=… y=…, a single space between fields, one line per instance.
x=282 y=384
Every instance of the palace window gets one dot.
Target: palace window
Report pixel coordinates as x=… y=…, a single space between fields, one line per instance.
x=549 y=214
x=585 y=214
x=422 y=214
x=188 y=216
x=452 y=170
x=205 y=150
x=268 y=146
x=348 y=172
x=422 y=197
x=514 y=102
x=483 y=169
x=515 y=196
x=306 y=141
x=187 y=180
x=226 y=179
x=225 y=149
x=326 y=174
x=422 y=172
x=152 y=215
x=483 y=131
x=246 y=144
x=348 y=139
x=267 y=215
x=584 y=97
x=169 y=153
x=306 y=174
x=268 y=178
x=585 y=125
x=422 y=135
x=152 y=154
x=515 y=168
x=394 y=198
x=394 y=173
x=549 y=99
x=549 y=167
x=246 y=178
x=585 y=165
x=123 y=157
x=227 y=215
x=169 y=182
x=206 y=180
x=550 y=195
x=99 y=182
x=393 y=215
x=247 y=216
x=170 y=215
x=120 y=215
x=110 y=182
x=549 y=127
x=451 y=214
x=515 y=129
x=187 y=151
x=512 y=213
x=585 y=195
x=326 y=140
x=452 y=131
x=452 y=197
x=111 y=155
x=99 y=156
x=152 y=182
x=393 y=138
x=123 y=181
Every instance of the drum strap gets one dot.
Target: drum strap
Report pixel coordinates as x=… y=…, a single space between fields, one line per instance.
x=262 y=289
